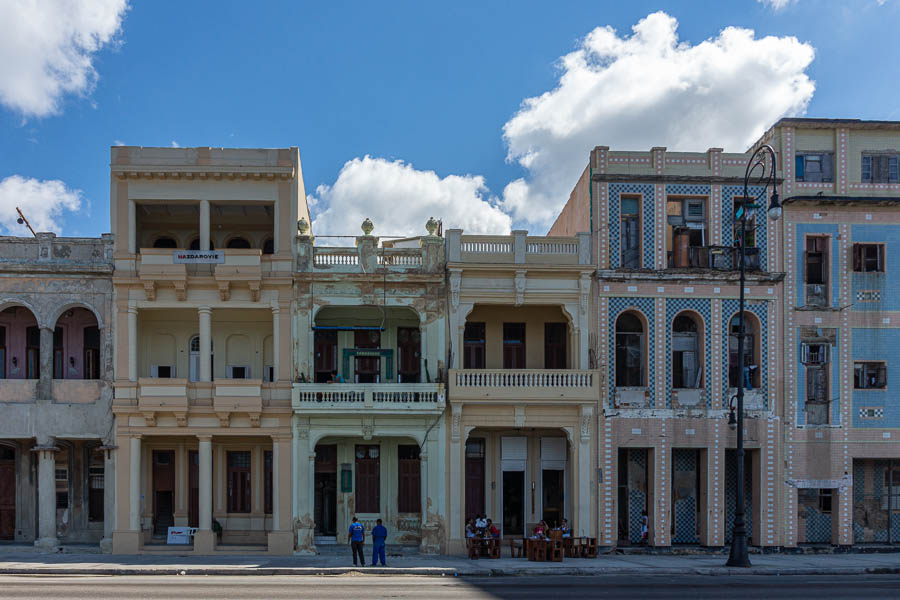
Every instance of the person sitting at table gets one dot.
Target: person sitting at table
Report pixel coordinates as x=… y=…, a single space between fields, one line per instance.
x=564 y=527
x=492 y=530
x=336 y=377
x=540 y=530
x=470 y=528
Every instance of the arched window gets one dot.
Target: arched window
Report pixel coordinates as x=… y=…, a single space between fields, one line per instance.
x=195 y=244
x=268 y=246
x=746 y=371
x=629 y=351
x=238 y=242
x=686 y=369
x=165 y=242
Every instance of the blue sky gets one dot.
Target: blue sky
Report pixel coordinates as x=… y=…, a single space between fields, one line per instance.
x=430 y=84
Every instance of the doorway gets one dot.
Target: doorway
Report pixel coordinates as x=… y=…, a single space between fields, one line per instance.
x=513 y=502
x=325 y=483
x=194 y=487
x=633 y=496
x=194 y=365
x=685 y=518
x=731 y=493
x=7 y=493
x=163 y=491
x=553 y=479
x=474 y=478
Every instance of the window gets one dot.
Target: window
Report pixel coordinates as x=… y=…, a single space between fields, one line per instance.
x=267 y=481
x=32 y=353
x=368 y=479
x=825 y=497
x=269 y=373
x=743 y=372
x=325 y=343
x=629 y=351
x=62 y=485
x=165 y=242
x=686 y=371
x=237 y=372
x=814 y=354
x=815 y=167
x=817 y=394
x=95 y=486
x=555 y=345
x=162 y=371
x=880 y=168
x=816 y=260
x=892 y=489
x=685 y=229
x=91 y=343
x=268 y=246
x=238 y=481
x=630 y=232
x=238 y=242
x=473 y=346
x=869 y=375
x=868 y=258
x=409 y=481
x=750 y=230
x=59 y=358
x=514 y=345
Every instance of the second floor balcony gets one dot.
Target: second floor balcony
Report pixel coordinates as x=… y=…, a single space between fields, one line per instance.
x=506 y=385
x=717 y=258
x=334 y=398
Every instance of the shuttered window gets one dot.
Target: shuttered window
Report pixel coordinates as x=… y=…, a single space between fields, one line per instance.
x=409 y=479
x=815 y=166
x=868 y=258
x=368 y=479
x=238 y=482
x=880 y=168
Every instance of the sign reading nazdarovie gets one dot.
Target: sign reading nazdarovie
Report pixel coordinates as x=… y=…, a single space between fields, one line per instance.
x=199 y=257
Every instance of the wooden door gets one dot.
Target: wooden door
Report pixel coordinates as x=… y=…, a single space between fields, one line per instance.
x=163 y=491
x=7 y=499
x=514 y=345
x=409 y=347
x=555 y=345
x=194 y=487
x=367 y=369
x=325 y=343
x=368 y=479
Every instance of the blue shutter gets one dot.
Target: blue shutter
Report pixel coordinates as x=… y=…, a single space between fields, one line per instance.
x=798 y=161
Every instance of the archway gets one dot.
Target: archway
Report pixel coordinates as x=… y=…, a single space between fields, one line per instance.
x=20 y=343
x=76 y=345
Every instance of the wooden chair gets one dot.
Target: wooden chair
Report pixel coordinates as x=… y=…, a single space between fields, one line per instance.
x=569 y=548
x=473 y=548
x=539 y=550
x=556 y=550
x=516 y=548
x=590 y=548
x=494 y=548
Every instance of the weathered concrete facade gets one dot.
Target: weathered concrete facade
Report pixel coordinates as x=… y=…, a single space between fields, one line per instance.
x=369 y=339
x=57 y=472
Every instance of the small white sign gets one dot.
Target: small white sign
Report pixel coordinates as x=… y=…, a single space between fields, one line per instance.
x=195 y=257
x=179 y=535
x=635 y=432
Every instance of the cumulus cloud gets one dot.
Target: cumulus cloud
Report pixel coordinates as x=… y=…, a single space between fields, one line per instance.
x=175 y=144
x=43 y=202
x=47 y=50
x=777 y=5
x=399 y=199
x=649 y=89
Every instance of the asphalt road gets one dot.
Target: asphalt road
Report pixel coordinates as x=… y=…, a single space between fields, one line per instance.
x=53 y=587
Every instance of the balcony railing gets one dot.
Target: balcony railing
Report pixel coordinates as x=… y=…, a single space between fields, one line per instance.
x=518 y=248
x=350 y=397
x=18 y=390
x=524 y=384
x=718 y=258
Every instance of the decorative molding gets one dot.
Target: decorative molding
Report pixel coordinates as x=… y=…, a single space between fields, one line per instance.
x=520 y=287
x=585 y=284
x=224 y=290
x=455 y=421
x=150 y=290
x=520 y=416
x=455 y=280
x=587 y=417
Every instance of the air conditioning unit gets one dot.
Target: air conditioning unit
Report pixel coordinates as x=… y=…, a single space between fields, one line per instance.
x=816 y=294
x=694 y=210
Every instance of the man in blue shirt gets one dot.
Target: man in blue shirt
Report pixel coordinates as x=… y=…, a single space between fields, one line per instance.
x=357 y=537
x=379 y=535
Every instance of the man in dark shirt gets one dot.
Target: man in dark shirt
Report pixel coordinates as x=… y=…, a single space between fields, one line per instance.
x=357 y=537
x=379 y=536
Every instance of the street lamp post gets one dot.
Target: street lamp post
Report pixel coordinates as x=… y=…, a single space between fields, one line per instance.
x=760 y=170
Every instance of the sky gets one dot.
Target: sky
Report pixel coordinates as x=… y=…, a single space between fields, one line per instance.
x=481 y=114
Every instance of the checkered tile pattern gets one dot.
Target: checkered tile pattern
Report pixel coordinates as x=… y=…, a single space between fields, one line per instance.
x=871 y=412
x=637 y=500
x=881 y=467
x=616 y=307
x=647 y=220
x=703 y=308
x=728 y=228
x=685 y=505
x=818 y=526
x=868 y=296
x=730 y=309
x=859 y=494
x=731 y=498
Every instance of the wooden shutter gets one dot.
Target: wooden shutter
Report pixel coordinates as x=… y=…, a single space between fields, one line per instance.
x=368 y=480
x=881 y=379
x=828 y=167
x=816 y=385
x=857 y=257
x=409 y=481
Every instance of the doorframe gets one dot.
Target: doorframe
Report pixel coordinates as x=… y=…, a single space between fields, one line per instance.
x=17 y=499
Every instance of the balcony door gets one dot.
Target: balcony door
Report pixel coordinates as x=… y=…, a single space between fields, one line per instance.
x=325 y=343
x=474 y=346
x=163 y=491
x=555 y=345
x=474 y=477
x=367 y=369
x=514 y=345
x=513 y=452
x=409 y=347
x=195 y=358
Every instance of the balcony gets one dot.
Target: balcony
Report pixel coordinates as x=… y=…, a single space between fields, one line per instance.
x=18 y=390
x=158 y=267
x=355 y=398
x=518 y=248
x=425 y=256
x=717 y=258
x=505 y=385
x=237 y=396
x=159 y=395
x=76 y=391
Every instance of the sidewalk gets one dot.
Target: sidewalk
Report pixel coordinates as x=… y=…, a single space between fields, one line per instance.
x=763 y=564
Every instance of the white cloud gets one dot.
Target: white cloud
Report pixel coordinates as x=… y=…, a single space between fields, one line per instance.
x=41 y=201
x=776 y=5
x=118 y=143
x=399 y=199
x=175 y=144
x=47 y=48
x=649 y=89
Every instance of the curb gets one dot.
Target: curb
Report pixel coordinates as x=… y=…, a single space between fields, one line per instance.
x=440 y=572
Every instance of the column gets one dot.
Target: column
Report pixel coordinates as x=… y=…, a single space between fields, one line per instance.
x=132 y=344
x=134 y=488
x=182 y=485
x=205 y=313
x=584 y=506
x=457 y=483
x=276 y=341
x=46 y=497
x=204 y=225
x=132 y=227
x=109 y=500
x=423 y=367
x=281 y=538
x=204 y=538
x=303 y=498
x=45 y=362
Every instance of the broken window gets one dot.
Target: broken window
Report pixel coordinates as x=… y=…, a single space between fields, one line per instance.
x=629 y=211
x=685 y=229
x=746 y=371
x=817 y=394
x=868 y=258
x=815 y=271
x=686 y=371
x=473 y=346
x=880 y=168
x=814 y=354
x=815 y=166
x=629 y=351
x=869 y=375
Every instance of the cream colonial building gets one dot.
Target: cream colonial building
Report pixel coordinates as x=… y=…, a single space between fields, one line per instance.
x=203 y=365
x=370 y=402
x=522 y=387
